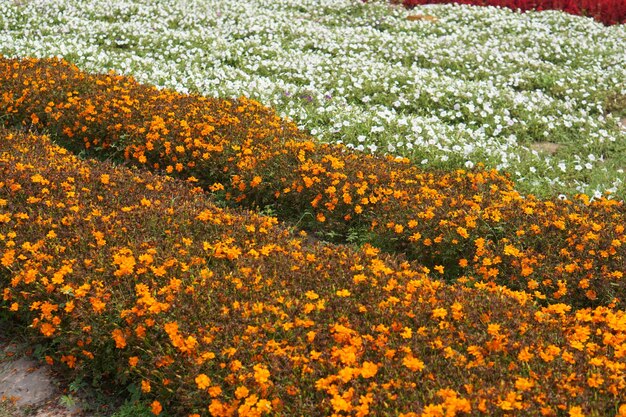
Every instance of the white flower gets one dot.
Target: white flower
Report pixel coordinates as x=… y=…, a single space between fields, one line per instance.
x=262 y=48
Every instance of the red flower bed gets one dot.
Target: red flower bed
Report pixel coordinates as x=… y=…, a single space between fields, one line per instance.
x=609 y=12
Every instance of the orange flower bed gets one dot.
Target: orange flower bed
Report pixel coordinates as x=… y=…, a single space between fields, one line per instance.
x=471 y=226
x=209 y=311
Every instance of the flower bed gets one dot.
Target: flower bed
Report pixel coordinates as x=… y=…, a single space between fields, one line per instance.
x=538 y=95
x=609 y=12
x=142 y=280
x=469 y=226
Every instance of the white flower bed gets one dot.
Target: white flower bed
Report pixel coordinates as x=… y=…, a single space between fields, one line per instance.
x=478 y=85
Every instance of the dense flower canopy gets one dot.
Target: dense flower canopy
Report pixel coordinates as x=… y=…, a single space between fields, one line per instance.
x=532 y=94
x=366 y=246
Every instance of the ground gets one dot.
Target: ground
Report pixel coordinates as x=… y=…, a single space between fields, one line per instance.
x=29 y=388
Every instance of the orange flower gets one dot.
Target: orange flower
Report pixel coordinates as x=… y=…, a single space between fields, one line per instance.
x=524 y=384
x=369 y=369
x=120 y=339
x=203 y=381
x=576 y=411
x=145 y=386
x=47 y=329
x=241 y=392
x=156 y=408
x=8 y=258
x=413 y=363
x=261 y=374
x=215 y=391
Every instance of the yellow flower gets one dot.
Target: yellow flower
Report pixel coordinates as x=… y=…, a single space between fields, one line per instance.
x=512 y=251
x=407 y=333
x=440 y=313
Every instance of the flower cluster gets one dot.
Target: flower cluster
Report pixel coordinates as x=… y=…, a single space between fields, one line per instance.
x=468 y=225
x=448 y=86
x=222 y=312
x=609 y=12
